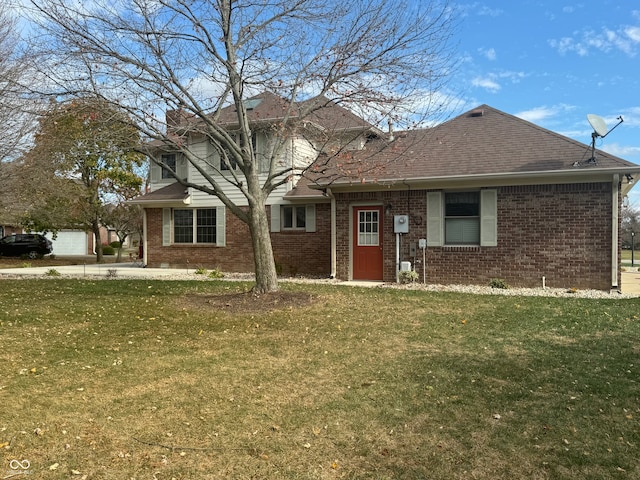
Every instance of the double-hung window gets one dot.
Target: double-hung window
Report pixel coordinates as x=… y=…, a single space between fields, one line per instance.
x=194 y=225
x=294 y=217
x=231 y=163
x=169 y=160
x=462 y=218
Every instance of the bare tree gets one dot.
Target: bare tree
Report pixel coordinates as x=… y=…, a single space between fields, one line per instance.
x=16 y=115
x=380 y=58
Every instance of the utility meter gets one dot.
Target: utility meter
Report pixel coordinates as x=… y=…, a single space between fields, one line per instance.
x=401 y=224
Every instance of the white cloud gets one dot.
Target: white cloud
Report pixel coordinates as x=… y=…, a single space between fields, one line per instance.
x=487 y=83
x=491 y=12
x=537 y=114
x=493 y=81
x=479 y=8
x=622 y=151
x=542 y=113
x=490 y=53
x=625 y=39
x=633 y=33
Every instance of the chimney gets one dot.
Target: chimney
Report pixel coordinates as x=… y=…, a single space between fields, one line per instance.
x=391 y=136
x=175 y=118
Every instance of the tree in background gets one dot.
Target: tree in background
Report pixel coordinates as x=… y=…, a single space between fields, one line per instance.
x=630 y=223
x=126 y=220
x=384 y=59
x=85 y=156
x=16 y=114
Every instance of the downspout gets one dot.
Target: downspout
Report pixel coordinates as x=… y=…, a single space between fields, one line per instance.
x=334 y=234
x=614 y=230
x=144 y=237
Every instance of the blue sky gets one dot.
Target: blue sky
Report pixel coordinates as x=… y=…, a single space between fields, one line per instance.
x=552 y=62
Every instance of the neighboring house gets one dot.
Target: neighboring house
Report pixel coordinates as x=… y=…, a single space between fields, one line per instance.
x=12 y=209
x=485 y=195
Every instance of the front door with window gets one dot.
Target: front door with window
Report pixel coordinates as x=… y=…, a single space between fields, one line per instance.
x=367 y=243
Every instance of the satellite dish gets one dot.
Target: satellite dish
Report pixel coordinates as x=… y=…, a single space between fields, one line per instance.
x=598 y=124
x=599 y=130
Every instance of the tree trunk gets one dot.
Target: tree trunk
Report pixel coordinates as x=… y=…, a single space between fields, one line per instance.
x=264 y=263
x=95 y=228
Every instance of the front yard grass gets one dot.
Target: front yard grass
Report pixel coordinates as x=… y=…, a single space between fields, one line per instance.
x=118 y=379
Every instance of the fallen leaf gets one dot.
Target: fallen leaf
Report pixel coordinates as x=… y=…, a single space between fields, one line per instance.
x=54 y=466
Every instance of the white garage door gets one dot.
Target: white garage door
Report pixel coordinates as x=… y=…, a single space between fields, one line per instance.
x=69 y=243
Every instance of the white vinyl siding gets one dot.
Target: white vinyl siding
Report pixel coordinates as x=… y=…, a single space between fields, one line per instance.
x=462 y=227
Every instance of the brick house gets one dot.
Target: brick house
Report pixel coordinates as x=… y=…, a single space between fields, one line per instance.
x=485 y=195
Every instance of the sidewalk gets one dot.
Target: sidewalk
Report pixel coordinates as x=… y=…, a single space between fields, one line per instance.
x=631 y=283
x=126 y=269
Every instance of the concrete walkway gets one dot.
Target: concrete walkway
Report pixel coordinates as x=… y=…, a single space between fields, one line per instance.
x=631 y=283
x=127 y=269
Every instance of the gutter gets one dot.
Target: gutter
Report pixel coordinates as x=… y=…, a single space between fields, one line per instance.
x=532 y=176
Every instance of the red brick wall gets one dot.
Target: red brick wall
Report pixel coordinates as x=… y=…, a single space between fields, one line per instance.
x=305 y=253
x=294 y=252
x=561 y=232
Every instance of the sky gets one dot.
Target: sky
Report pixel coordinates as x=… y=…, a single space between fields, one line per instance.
x=552 y=62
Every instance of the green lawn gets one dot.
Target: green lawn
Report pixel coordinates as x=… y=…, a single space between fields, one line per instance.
x=119 y=379
x=626 y=257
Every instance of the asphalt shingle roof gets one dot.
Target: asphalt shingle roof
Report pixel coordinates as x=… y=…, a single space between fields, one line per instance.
x=482 y=141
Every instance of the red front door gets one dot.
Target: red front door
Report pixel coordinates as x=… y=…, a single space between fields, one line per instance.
x=367 y=243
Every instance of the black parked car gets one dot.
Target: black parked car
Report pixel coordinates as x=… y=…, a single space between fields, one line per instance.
x=31 y=245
